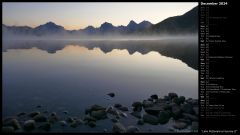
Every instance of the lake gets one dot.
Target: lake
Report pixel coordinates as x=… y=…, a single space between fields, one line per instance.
x=72 y=75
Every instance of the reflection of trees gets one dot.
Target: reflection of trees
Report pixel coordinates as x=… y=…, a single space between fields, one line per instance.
x=184 y=50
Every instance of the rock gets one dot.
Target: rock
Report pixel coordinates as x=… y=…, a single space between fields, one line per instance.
x=190 y=117
x=53 y=114
x=187 y=108
x=105 y=130
x=8 y=129
x=179 y=100
x=172 y=95
x=45 y=126
x=151 y=119
x=194 y=125
x=154 y=110
x=111 y=94
x=154 y=96
x=117 y=105
x=89 y=118
x=179 y=125
x=96 y=108
x=136 y=114
x=12 y=122
x=100 y=114
x=123 y=114
x=123 y=108
x=137 y=104
x=74 y=124
x=92 y=124
x=132 y=129
x=29 y=125
x=87 y=110
x=38 y=106
x=114 y=120
x=63 y=123
x=140 y=122
x=32 y=114
x=118 y=128
x=40 y=118
x=164 y=117
x=70 y=120
x=147 y=103
x=21 y=114
x=79 y=121
x=112 y=111
x=176 y=111
x=196 y=111
x=137 y=109
x=52 y=118
x=65 y=112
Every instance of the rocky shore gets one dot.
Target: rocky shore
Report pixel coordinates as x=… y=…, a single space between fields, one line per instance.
x=154 y=111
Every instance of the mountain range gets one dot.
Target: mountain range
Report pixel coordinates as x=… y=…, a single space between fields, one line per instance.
x=186 y=23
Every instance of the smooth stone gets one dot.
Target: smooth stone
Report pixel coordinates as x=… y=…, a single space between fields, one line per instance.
x=65 y=112
x=45 y=126
x=176 y=111
x=12 y=122
x=32 y=114
x=123 y=108
x=187 y=108
x=140 y=122
x=118 y=128
x=154 y=110
x=69 y=120
x=40 y=118
x=92 y=124
x=137 y=104
x=172 y=95
x=117 y=105
x=132 y=129
x=154 y=96
x=96 y=108
x=147 y=103
x=39 y=106
x=179 y=125
x=179 y=100
x=123 y=114
x=29 y=125
x=112 y=111
x=52 y=119
x=21 y=114
x=79 y=121
x=74 y=124
x=137 y=109
x=63 y=123
x=136 y=114
x=194 y=125
x=111 y=94
x=164 y=117
x=190 y=117
x=89 y=118
x=114 y=120
x=151 y=119
x=100 y=114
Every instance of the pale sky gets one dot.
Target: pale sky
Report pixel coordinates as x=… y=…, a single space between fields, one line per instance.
x=80 y=15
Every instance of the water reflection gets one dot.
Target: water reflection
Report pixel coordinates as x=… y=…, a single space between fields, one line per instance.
x=182 y=49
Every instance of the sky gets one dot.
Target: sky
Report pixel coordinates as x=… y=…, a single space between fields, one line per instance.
x=74 y=16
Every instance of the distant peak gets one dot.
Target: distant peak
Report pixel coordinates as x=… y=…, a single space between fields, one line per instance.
x=50 y=23
x=132 y=22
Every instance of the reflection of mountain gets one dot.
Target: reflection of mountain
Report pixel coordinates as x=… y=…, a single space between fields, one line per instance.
x=184 y=50
x=186 y=23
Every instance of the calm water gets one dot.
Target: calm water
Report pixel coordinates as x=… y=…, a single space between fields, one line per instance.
x=72 y=75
